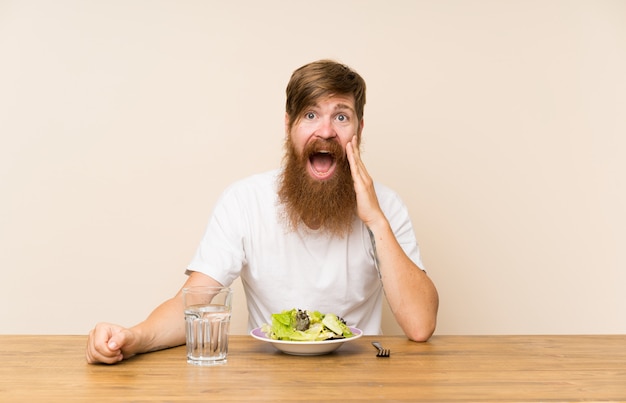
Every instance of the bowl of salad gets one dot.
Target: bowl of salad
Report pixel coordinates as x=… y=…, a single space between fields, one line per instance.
x=301 y=332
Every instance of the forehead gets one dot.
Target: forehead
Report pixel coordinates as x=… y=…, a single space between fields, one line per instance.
x=335 y=102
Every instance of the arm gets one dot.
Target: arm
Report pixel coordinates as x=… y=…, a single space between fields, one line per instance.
x=411 y=294
x=163 y=328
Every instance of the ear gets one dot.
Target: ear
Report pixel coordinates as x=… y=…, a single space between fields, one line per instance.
x=359 y=131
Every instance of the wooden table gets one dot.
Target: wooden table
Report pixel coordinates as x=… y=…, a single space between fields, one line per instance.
x=447 y=368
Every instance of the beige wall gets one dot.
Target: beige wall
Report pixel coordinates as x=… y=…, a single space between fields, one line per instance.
x=500 y=123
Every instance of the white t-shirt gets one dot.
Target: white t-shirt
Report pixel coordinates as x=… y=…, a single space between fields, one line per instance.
x=305 y=269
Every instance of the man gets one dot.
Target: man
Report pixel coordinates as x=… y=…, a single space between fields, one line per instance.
x=317 y=234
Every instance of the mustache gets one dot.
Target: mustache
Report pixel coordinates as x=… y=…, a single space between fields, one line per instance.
x=328 y=146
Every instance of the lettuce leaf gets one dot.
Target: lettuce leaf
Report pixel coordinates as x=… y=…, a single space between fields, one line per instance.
x=320 y=327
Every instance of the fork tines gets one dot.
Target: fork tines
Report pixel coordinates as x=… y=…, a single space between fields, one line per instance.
x=382 y=352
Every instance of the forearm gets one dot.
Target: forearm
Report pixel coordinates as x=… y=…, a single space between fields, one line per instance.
x=411 y=294
x=163 y=328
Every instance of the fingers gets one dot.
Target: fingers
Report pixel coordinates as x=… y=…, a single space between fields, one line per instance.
x=368 y=208
x=357 y=168
x=362 y=180
x=105 y=344
x=353 y=154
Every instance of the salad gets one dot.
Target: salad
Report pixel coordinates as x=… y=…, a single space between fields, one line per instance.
x=302 y=325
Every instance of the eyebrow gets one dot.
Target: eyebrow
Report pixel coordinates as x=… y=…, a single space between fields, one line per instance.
x=344 y=106
x=338 y=107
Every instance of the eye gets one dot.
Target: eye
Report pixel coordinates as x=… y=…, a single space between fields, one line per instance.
x=309 y=115
x=342 y=118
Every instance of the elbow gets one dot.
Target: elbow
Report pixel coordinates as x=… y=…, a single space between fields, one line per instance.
x=423 y=326
x=419 y=324
x=421 y=329
x=421 y=333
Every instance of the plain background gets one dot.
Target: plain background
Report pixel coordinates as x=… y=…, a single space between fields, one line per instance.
x=500 y=123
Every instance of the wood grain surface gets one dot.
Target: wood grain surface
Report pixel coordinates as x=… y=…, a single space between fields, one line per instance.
x=445 y=369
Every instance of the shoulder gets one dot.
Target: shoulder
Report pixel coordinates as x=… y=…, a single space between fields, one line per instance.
x=253 y=187
x=391 y=203
x=249 y=195
x=386 y=194
x=257 y=181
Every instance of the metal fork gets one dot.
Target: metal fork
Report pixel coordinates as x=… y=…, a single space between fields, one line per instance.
x=382 y=352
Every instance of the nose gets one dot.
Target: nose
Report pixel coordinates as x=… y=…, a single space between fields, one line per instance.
x=326 y=130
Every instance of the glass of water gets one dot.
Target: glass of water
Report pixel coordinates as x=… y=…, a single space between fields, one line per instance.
x=207 y=319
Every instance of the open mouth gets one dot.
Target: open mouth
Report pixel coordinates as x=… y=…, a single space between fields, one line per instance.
x=322 y=164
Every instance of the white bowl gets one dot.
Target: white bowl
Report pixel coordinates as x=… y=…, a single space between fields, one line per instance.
x=306 y=347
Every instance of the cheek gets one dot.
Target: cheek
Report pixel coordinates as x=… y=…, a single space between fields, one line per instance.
x=346 y=136
x=301 y=133
x=298 y=140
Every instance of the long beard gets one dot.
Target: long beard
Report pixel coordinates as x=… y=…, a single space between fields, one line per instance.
x=328 y=205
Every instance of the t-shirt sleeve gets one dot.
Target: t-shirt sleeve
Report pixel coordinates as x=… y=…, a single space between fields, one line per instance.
x=221 y=254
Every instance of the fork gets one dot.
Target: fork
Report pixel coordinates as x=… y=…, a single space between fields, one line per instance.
x=382 y=352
